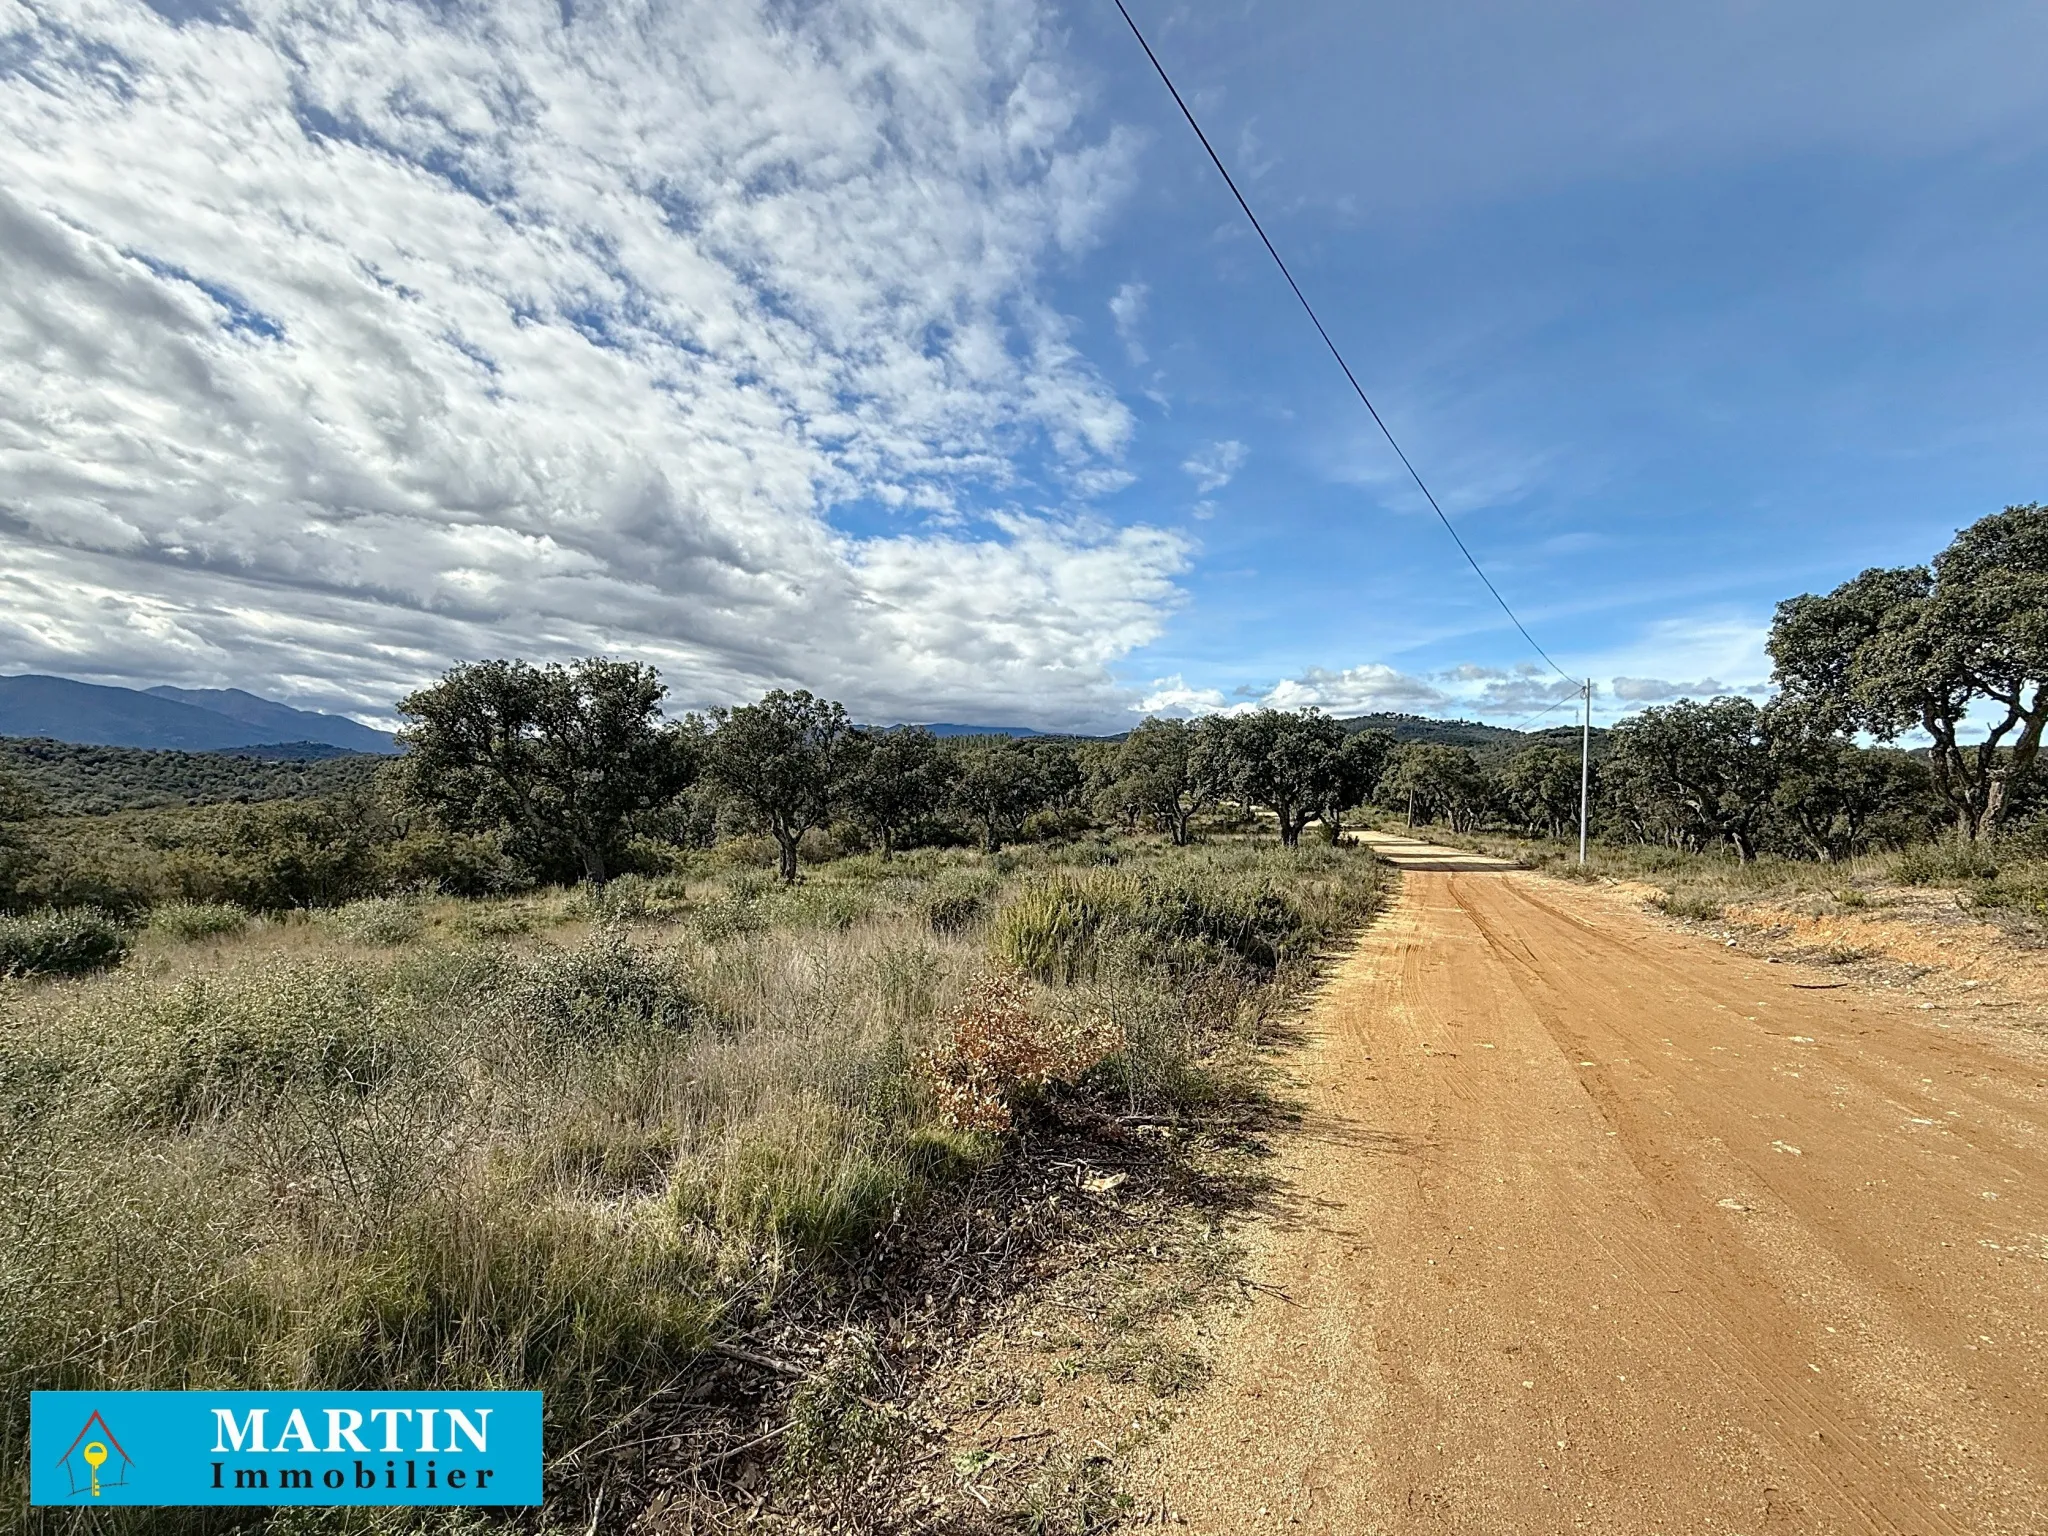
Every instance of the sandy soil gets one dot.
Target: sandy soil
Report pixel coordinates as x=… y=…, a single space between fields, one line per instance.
x=1595 y=1225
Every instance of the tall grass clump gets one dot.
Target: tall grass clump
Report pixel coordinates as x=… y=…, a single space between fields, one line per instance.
x=1952 y=861
x=205 y=1044
x=190 y=921
x=1151 y=966
x=60 y=943
x=1695 y=905
x=379 y=921
x=1260 y=914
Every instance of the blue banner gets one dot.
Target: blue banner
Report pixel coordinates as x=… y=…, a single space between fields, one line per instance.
x=101 y=1448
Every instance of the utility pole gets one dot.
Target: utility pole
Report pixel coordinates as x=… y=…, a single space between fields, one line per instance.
x=1585 y=767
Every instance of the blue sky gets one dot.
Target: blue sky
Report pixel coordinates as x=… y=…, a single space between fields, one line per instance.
x=1680 y=315
x=912 y=352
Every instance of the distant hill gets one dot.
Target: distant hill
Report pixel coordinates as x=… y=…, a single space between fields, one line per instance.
x=189 y=720
x=1488 y=739
x=72 y=779
x=1446 y=733
x=280 y=722
x=983 y=730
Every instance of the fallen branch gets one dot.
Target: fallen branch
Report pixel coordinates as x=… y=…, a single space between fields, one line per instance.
x=760 y=1362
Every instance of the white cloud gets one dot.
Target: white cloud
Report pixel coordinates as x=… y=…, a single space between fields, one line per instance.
x=1173 y=696
x=1369 y=689
x=1656 y=690
x=1361 y=690
x=1127 y=309
x=1699 y=657
x=1216 y=465
x=340 y=342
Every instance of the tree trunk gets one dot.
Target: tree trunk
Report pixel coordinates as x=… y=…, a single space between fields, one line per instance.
x=1291 y=823
x=593 y=863
x=1180 y=827
x=785 y=848
x=1994 y=804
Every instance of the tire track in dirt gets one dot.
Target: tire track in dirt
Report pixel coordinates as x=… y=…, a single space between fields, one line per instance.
x=1592 y=1225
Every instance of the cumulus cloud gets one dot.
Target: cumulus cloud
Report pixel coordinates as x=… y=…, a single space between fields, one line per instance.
x=1361 y=690
x=1173 y=696
x=1216 y=465
x=343 y=341
x=1655 y=690
x=1698 y=656
x=1369 y=689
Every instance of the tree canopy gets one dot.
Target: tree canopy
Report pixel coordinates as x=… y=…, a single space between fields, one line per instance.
x=894 y=780
x=566 y=760
x=996 y=782
x=1893 y=650
x=783 y=763
x=1288 y=761
x=1702 y=769
x=1172 y=770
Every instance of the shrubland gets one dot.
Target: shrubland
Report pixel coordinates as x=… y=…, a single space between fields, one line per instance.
x=71 y=779
x=582 y=1139
x=580 y=1040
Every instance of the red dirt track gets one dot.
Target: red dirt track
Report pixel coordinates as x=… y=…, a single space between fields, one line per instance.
x=1593 y=1225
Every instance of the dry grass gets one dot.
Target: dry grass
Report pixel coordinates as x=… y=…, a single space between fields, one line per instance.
x=571 y=1143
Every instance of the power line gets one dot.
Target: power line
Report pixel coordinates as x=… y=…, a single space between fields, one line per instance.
x=1570 y=698
x=1315 y=320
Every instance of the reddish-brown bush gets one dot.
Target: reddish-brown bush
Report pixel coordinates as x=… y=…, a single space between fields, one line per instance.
x=1000 y=1048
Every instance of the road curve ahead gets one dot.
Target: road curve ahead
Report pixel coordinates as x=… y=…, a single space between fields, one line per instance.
x=1594 y=1226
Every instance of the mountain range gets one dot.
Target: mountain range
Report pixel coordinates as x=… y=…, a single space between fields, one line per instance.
x=231 y=720
x=184 y=719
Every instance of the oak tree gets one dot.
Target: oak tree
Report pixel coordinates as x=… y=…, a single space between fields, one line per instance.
x=783 y=764
x=566 y=761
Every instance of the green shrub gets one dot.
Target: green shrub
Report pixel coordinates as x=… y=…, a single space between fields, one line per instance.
x=53 y=943
x=631 y=899
x=1056 y=826
x=209 y=1042
x=952 y=911
x=1695 y=905
x=1953 y=861
x=380 y=921
x=1055 y=930
x=823 y=904
x=841 y=1443
x=599 y=993
x=500 y=921
x=2022 y=887
x=192 y=920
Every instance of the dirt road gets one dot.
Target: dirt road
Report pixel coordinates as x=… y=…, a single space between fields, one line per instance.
x=1596 y=1226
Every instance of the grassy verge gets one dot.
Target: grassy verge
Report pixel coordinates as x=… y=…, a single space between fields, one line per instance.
x=679 y=1155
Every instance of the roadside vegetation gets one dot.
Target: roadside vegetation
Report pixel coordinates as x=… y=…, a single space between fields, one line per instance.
x=395 y=1091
